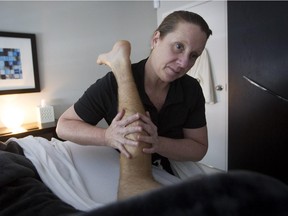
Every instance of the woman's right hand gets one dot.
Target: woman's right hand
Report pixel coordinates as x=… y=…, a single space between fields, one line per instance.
x=115 y=134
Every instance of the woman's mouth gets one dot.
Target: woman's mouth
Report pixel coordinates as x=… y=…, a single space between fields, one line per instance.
x=172 y=70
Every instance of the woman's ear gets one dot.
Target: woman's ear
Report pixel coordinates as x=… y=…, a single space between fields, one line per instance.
x=155 y=38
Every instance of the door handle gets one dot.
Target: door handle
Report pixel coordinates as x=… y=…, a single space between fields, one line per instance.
x=219 y=88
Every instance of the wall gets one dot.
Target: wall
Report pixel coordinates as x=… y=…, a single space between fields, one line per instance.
x=70 y=36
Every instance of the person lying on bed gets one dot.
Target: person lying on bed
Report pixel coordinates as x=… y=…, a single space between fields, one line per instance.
x=174 y=125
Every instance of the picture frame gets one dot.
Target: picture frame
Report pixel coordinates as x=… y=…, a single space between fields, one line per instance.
x=18 y=63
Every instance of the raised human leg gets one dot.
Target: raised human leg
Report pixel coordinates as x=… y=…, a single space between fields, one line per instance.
x=135 y=173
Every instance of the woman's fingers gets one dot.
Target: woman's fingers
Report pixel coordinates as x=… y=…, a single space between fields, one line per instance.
x=121 y=128
x=124 y=151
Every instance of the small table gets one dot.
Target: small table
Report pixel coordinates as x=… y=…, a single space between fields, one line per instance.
x=45 y=130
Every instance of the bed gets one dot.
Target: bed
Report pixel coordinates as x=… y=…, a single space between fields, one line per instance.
x=53 y=177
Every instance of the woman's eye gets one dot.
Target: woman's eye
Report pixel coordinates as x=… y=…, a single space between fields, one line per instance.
x=194 y=56
x=179 y=46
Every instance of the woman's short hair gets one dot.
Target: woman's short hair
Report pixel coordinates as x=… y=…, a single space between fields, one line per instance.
x=171 y=21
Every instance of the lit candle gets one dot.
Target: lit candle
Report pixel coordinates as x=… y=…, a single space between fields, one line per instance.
x=43 y=103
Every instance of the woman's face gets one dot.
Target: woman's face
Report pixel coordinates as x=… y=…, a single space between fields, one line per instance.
x=176 y=53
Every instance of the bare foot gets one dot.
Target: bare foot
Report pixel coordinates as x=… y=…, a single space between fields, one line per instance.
x=117 y=57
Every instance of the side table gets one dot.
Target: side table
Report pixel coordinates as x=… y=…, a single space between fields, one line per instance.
x=46 y=130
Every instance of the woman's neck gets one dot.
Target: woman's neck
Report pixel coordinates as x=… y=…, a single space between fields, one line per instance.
x=155 y=88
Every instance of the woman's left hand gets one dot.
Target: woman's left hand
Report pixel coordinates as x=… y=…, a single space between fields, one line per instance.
x=152 y=135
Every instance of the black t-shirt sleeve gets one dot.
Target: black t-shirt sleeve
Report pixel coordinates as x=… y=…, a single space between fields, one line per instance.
x=98 y=101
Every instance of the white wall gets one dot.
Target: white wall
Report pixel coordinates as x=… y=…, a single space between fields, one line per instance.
x=169 y=5
x=70 y=36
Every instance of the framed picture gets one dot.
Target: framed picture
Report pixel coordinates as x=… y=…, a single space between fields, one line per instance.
x=18 y=63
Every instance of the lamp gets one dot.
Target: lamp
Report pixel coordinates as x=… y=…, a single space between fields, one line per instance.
x=13 y=117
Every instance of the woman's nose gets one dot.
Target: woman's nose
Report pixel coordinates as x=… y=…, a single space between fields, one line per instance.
x=183 y=61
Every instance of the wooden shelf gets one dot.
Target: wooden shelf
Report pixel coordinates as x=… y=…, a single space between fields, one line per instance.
x=46 y=130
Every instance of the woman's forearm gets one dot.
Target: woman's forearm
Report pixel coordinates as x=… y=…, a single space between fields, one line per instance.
x=181 y=149
x=80 y=132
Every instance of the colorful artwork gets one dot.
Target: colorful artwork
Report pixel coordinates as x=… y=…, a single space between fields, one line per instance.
x=10 y=64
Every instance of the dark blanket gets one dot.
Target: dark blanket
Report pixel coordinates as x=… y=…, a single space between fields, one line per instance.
x=21 y=190
x=234 y=193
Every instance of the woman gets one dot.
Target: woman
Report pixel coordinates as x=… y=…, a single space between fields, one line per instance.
x=175 y=126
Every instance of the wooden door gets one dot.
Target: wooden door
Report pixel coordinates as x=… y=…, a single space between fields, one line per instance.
x=258 y=119
x=215 y=14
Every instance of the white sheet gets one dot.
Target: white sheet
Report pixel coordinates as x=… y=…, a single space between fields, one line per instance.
x=99 y=167
x=86 y=177
x=55 y=166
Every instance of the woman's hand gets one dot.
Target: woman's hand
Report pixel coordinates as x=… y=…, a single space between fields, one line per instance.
x=152 y=133
x=115 y=134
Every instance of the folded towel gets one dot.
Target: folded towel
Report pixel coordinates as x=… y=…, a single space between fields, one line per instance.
x=201 y=71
